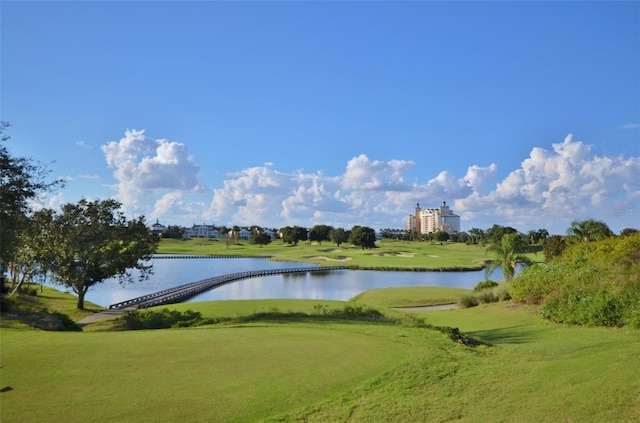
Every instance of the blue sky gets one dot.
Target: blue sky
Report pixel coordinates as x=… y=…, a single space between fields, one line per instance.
x=279 y=113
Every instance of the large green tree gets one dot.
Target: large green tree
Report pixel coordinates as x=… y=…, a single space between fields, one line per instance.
x=589 y=230
x=92 y=241
x=339 y=235
x=507 y=255
x=21 y=181
x=363 y=236
x=260 y=238
x=293 y=235
x=320 y=233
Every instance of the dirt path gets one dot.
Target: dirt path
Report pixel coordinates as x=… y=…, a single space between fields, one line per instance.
x=103 y=315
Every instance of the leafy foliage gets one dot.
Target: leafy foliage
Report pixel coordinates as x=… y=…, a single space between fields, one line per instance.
x=591 y=283
x=589 y=230
x=163 y=319
x=320 y=233
x=260 y=238
x=553 y=247
x=339 y=235
x=293 y=235
x=508 y=255
x=21 y=180
x=484 y=285
x=91 y=241
x=363 y=237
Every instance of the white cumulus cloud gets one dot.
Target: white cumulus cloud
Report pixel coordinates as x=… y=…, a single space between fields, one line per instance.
x=561 y=185
x=550 y=188
x=146 y=168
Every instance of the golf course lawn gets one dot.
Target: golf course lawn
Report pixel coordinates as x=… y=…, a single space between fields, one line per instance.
x=525 y=369
x=203 y=374
x=388 y=254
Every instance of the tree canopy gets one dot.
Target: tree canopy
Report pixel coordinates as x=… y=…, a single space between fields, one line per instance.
x=260 y=238
x=320 y=233
x=339 y=235
x=363 y=236
x=292 y=235
x=589 y=230
x=91 y=241
x=21 y=180
x=508 y=255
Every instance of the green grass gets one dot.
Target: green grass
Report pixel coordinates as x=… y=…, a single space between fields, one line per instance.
x=410 y=296
x=47 y=300
x=526 y=369
x=390 y=254
x=223 y=374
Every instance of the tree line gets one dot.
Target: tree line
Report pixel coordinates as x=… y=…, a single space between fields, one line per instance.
x=86 y=243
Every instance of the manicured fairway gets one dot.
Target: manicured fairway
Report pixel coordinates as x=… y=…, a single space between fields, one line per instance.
x=414 y=296
x=188 y=375
x=318 y=369
x=389 y=254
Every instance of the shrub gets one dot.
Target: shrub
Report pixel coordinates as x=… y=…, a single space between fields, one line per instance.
x=501 y=293
x=162 y=319
x=594 y=284
x=357 y=312
x=485 y=296
x=468 y=300
x=484 y=285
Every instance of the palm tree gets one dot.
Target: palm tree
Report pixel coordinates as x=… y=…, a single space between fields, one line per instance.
x=589 y=230
x=508 y=255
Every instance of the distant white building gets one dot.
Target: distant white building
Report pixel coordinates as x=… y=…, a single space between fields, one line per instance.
x=273 y=234
x=202 y=231
x=433 y=220
x=244 y=234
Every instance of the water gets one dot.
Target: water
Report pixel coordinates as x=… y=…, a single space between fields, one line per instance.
x=333 y=285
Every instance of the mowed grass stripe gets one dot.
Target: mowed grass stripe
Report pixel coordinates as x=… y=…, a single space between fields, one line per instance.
x=203 y=374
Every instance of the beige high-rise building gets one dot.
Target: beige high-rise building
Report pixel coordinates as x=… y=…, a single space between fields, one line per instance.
x=433 y=220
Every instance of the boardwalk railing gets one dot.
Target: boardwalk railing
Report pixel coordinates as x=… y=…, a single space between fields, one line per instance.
x=184 y=292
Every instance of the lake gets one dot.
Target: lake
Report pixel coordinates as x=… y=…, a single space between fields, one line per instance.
x=333 y=285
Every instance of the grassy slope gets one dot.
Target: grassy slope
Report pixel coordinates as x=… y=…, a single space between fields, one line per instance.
x=410 y=296
x=389 y=254
x=533 y=370
x=49 y=300
x=204 y=374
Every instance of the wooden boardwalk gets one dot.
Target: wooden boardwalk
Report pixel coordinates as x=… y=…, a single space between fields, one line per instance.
x=182 y=293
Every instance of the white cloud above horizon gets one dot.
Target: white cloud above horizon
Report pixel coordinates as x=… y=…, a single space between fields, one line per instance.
x=146 y=169
x=549 y=189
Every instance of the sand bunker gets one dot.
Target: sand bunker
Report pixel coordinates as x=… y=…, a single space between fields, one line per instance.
x=331 y=259
x=409 y=255
x=432 y=256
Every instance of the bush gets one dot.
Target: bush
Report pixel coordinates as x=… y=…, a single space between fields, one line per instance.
x=468 y=300
x=485 y=296
x=594 y=284
x=484 y=285
x=356 y=312
x=502 y=293
x=163 y=319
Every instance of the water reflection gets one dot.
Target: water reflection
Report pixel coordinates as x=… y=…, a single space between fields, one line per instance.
x=331 y=285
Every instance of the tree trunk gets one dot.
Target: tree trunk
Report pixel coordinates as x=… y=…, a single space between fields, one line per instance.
x=16 y=287
x=81 y=293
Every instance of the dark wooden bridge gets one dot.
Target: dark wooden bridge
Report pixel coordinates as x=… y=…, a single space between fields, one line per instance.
x=182 y=293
